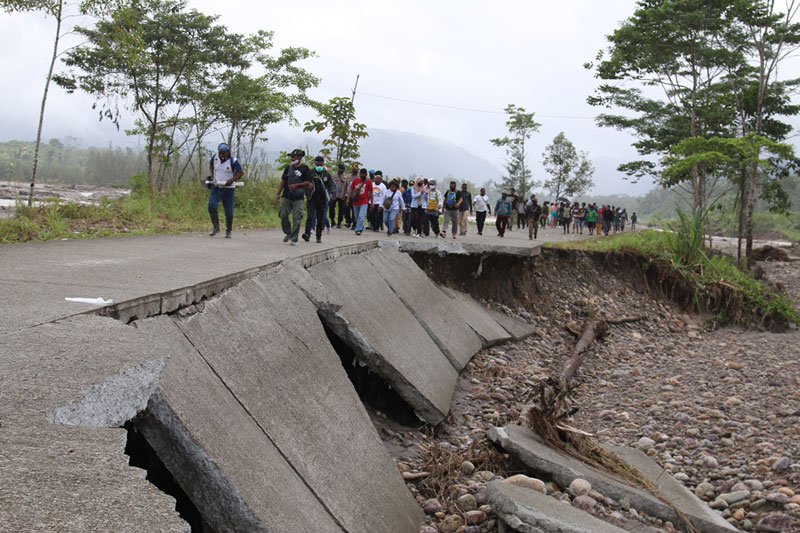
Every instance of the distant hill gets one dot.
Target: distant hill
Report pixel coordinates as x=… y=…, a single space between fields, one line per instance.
x=400 y=153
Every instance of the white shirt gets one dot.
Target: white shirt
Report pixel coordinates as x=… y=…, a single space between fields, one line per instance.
x=378 y=193
x=397 y=200
x=481 y=203
x=223 y=171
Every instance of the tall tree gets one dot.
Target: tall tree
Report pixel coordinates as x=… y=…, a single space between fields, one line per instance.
x=768 y=36
x=339 y=116
x=571 y=171
x=521 y=126
x=154 y=54
x=672 y=45
x=59 y=11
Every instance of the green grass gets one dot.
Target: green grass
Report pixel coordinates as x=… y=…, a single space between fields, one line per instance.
x=714 y=283
x=181 y=208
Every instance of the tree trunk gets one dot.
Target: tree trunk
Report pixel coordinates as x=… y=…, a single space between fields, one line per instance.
x=751 y=195
x=740 y=230
x=44 y=99
x=592 y=329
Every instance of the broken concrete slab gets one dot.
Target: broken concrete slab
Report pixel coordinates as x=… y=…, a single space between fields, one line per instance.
x=563 y=469
x=69 y=478
x=217 y=452
x=434 y=310
x=265 y=341
x=528 y=511
x=477 y=317
x=386 y=336
x=517 y=328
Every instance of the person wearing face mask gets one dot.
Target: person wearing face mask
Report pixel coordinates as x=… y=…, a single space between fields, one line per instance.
x=323 y=190
x=296 y=178
x=432 y=209
x=502 y=210
x=360 y=196
x=225 y=172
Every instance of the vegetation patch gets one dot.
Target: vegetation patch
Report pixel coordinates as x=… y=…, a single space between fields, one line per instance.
x=180 y=208
x=676 y=266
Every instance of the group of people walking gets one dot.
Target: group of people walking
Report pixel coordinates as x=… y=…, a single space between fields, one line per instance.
x=363 y=201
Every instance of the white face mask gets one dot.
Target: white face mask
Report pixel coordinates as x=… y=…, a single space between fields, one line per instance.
x=296 y=162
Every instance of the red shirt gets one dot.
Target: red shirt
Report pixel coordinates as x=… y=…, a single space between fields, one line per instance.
x=366 y=191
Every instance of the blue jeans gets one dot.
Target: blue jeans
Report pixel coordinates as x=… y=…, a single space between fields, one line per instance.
x=226 y=195
x=360 y=213
x=388 y=219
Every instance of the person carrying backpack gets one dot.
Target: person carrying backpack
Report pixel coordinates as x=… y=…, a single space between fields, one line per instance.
x=225 y=172
x=296 y=178
x=450 y=208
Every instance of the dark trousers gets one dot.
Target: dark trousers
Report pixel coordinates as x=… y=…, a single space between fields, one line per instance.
x=480 y=219
x=375 y=217
x=431 y=223
x=407 y=221
x=343 y=209
x=315 y=211
x=417 y=218
x=226 y=196
x=521 y=219
x=502 y=224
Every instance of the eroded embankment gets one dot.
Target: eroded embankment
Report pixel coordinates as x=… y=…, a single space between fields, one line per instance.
x=532 y=282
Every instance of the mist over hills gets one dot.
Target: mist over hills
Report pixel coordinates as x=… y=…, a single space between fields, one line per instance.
x=400 y=153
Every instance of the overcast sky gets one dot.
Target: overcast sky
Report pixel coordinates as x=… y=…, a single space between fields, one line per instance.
x=472 y=54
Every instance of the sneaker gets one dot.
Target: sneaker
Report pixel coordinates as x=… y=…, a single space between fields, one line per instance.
x=388 y=233
x=286 y=238
x=328 y=229
x=442 y=235
x=338 y=226
x=227 y=234
x=454 y=236
x=214 y=231
x=319 y=240
x=294 y=241
x=306 y=237
x=480 y=233
x=358 y=233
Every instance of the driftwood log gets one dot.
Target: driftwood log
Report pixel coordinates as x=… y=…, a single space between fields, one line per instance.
x=552 y=406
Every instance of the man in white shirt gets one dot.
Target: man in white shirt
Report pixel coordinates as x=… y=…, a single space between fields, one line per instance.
x=225 y=172
x=375 y=214
x=481 y=203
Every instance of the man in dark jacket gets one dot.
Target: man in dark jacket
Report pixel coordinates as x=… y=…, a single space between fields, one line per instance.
x=321 y=193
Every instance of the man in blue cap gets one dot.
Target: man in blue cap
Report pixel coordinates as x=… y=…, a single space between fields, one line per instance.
x=225 y=172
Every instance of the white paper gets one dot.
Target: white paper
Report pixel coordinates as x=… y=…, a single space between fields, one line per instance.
x=94 y=301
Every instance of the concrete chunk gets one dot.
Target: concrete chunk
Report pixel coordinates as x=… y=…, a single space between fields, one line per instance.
x=529 y=511
x=528 y=448
x=217 y=452
x=435 y=311
x=394 y=343
x=265 y=341
x=62 y=478
x=517 y=328
x=478 y=318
